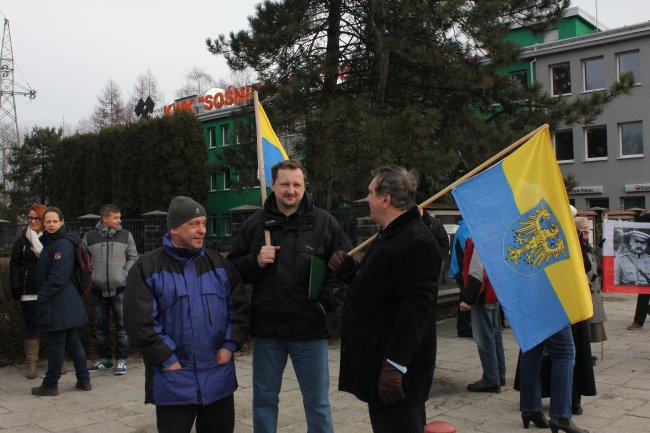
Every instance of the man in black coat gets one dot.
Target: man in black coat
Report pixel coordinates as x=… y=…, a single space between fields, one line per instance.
x=388 y=344
x=286 y=321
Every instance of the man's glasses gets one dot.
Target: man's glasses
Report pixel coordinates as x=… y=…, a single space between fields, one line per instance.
x=30 y=219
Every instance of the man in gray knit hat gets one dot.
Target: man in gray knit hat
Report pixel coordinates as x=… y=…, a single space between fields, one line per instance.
x=186 y=311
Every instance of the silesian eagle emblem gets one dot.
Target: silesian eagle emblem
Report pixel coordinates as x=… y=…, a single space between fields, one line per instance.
x=534 y=240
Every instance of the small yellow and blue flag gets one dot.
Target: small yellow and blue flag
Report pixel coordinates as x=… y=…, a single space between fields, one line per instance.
x=272 y=150
x=518 y=213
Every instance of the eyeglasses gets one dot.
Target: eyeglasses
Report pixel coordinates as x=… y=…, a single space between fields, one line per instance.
x=30 y=219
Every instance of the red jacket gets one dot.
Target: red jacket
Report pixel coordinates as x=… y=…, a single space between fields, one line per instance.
x=478 y=289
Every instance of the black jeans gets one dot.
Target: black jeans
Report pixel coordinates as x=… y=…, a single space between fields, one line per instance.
x=397 y=419
x=217 y=417
x=641 y=309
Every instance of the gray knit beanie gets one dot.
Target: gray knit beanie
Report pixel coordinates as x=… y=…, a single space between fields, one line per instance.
x=181 y=210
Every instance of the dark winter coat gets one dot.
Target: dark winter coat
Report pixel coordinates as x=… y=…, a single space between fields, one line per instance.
x=389 y=312
x=59 y=304
x=182 y=305
x=280 y=306
x=22 y=268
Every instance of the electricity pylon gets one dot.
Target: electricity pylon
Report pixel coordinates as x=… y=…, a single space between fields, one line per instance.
x=9 y=134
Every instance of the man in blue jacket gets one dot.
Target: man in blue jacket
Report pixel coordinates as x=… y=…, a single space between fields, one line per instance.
x=186 y=311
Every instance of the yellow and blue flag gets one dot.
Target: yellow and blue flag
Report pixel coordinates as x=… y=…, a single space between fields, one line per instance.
x=519 y=216
x=272 y=150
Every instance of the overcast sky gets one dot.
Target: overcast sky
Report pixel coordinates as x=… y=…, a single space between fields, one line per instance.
x=68 y=49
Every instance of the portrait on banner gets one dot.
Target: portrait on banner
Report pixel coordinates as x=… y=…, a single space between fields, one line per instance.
x=626 y=258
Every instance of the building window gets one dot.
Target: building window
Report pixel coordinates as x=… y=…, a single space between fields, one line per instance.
x=632 y=202
x=212 y=138
x=596 y=142
x=561 y=79
x=520 y=78
x=213 y=182
x=629 y=62
x=564 y=145
x=572 y=201
x=225 y=135
x=227 y=180
x=593 y=72
x=552 y=35
x=631 y=138
x=598 y=202
x=227 y=225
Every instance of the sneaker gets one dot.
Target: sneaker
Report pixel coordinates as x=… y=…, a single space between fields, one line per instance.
x=634 y=326
x=102 y=364
x=120 y=368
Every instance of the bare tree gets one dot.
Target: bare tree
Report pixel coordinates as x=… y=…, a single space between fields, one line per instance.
x=110 y=109
x=197 y=82
x=146 y=85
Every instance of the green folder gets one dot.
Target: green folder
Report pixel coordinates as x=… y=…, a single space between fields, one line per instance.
x=317 y=273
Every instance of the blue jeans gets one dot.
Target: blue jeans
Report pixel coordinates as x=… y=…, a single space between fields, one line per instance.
x=57 y=343
x=102 y=308
x=30 y=309
x=486 y=332
x=562 y=354
x=309 y=359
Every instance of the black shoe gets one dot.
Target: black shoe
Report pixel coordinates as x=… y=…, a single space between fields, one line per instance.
x=565 y=425
x=502 y=382
x=481 y=386
x=537 y=418
x=576 y=409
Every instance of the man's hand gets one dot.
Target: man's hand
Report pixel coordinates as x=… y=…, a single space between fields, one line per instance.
x=390 y=384
x=464 y=306
x=223 y=356
x=175 y=366
x=266 y=255
x=341 y=263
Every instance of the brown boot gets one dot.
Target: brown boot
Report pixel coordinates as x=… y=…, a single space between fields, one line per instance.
x=31 y=358
x=45 y=392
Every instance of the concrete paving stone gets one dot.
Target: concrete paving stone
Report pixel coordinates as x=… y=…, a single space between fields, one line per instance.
x=62 y=423
x=615 y=401
x=103 y=427
x=630 y=421
x=30 y=428
x=638 y=383
x=641 y=411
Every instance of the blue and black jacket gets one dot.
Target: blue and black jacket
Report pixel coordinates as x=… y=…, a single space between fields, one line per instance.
x=183 y=305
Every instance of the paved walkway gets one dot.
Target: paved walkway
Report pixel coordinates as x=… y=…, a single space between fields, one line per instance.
x=115 y=403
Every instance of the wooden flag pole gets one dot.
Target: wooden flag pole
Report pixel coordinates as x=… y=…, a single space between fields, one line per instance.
x=260 y=160
x=475 y=171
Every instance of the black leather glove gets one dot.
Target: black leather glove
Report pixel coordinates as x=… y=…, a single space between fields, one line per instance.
x=390 y=383
x=342 y=264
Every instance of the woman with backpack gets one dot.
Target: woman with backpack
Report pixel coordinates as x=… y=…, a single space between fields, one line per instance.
x=60 y=309
x=22 y=278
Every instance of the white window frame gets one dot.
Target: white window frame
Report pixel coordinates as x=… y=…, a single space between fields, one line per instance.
x=213 y=182
x=564 y=161
x=224 y=135
x=223 y=177
x=227 y=225
x=551 y=67
x=212 y=137
x=598 y=158
x=637 y=81
x=584 y=74
x=620 y=140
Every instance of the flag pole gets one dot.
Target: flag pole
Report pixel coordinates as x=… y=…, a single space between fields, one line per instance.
x=260 y=160
x=476 y=170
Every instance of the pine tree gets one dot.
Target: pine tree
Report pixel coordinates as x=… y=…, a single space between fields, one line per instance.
x=372 y=82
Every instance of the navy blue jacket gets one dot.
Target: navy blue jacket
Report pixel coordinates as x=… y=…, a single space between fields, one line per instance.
x=59 y=304
x=182 y=305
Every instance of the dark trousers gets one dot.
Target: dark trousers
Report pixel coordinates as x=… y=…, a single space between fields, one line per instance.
x=641 y=309
x=102 y=308
x=397 y=419
x=30 y=310
x=217 y=417
x=58 y=342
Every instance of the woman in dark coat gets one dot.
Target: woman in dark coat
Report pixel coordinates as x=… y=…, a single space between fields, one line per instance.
x=60 y=309
x=22 y=278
